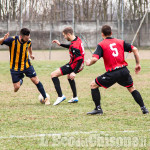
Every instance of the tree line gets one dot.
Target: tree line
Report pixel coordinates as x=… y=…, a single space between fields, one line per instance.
x=63 y=10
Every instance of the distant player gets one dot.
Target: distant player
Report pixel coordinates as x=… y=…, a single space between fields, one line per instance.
x=20 y=64
x=112 y=50
x=74 y=66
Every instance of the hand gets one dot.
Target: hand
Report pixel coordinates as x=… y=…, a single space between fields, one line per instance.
x=137 y=68
x=32 y=57
x=88 y=62
x=72 y=75
x=56 y=41
x=6 y=36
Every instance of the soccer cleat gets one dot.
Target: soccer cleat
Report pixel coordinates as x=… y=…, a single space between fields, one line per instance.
x=59 y=100
x=144 y=110
x=47 y=102
x=73 y=100
x=96 y=112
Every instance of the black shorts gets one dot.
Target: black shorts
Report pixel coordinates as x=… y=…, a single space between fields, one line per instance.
x=121 y=76
x=17 y=75
x=66 y=69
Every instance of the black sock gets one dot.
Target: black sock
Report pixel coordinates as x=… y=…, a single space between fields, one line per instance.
x=41 y=89
x=73 y=87
x=137 y=97
x=96 y=97
x=57 y=86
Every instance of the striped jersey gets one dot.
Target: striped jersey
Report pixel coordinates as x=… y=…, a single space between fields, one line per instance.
x=19 y=57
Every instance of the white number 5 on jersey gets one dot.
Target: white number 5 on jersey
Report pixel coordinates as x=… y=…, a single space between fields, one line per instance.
x=115 y=50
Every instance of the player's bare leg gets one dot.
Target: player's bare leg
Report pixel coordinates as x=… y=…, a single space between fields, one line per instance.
x=72 y=83
x=96 y=98
x=35 y=80
x=54 y=75
x=131 y=89
x=40 y=87
x=137 y=97
x=16 y=86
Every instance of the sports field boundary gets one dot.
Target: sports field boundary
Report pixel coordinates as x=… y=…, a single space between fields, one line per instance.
x=71 y=133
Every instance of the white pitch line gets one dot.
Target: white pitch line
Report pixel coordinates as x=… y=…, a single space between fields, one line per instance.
x=70 y=133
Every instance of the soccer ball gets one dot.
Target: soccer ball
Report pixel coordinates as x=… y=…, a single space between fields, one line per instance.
x=40 y=97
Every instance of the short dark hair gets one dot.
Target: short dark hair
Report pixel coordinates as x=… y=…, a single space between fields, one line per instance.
x=106 y=30
x=68 y=30
x=24 y=31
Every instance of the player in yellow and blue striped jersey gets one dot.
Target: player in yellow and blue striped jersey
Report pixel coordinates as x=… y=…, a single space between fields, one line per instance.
x=20 y=48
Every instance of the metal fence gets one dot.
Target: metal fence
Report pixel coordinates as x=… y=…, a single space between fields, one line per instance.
x=42 y=33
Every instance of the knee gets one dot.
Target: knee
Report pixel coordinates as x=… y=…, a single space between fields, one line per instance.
x=16 y=87
x=53 y=74
x=56 y=73
x=35 y=80
x=131 y=89
x=93 y=85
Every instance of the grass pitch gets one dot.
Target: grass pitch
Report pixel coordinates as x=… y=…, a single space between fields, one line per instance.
x=26 y=124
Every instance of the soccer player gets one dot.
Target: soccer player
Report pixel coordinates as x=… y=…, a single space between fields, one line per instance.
x=20 y=48
x=112 y=50
x=75 y=65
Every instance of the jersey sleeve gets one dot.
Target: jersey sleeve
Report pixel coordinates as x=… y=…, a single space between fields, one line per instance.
x=76 y=52
x=65 y=45
x=8 y=41
x=80 y=61
x=128 y=47
x=98 y=52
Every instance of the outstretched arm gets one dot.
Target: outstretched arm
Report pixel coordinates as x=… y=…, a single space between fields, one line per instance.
x=137 y=59
x=58 y=43
x=96 y=56
x=92 y=61
x=4 y=38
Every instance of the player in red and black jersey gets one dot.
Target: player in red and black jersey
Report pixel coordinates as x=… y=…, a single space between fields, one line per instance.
x=75 y=65
x=112 y=50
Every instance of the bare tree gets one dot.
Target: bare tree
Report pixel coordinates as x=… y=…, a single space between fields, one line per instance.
x=58 y=10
